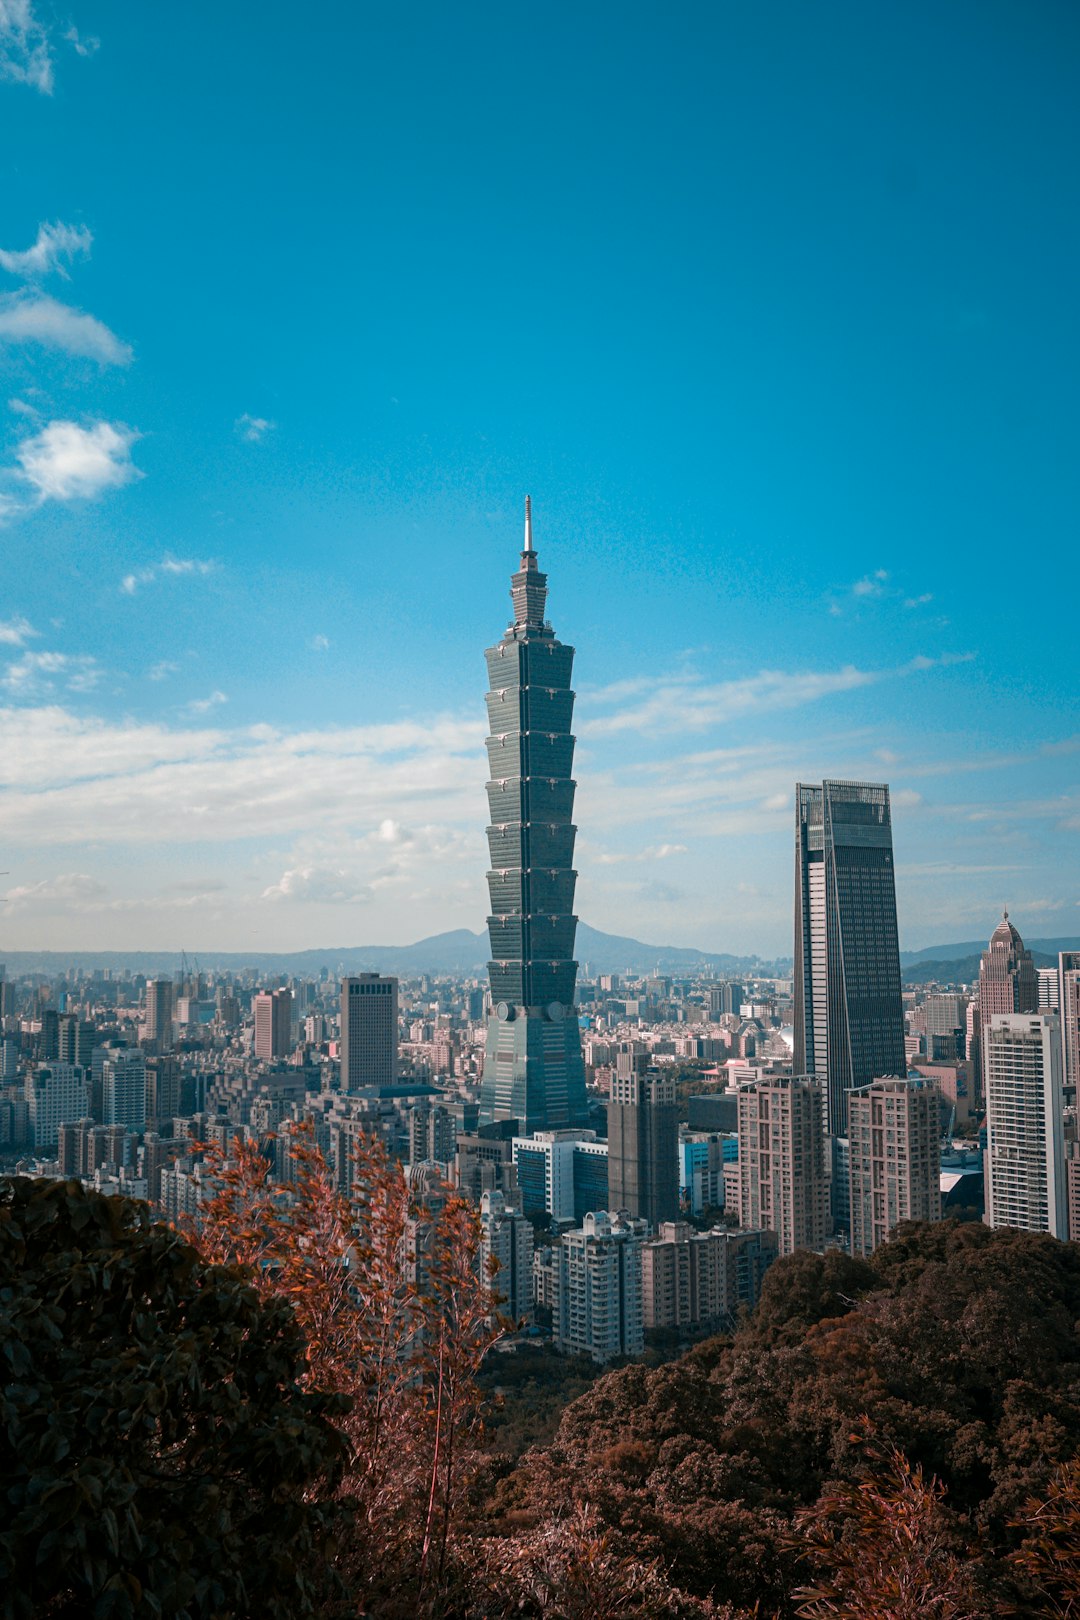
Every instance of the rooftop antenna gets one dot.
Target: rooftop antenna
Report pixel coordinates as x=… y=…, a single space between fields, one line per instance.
x=528 y=523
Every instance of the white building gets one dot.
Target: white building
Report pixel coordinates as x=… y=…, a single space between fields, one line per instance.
x=123 y=1087
x=56 y=1095
x=598 y=1309
x=549 y=1162
x=1025 y=1138
x=506 y=1237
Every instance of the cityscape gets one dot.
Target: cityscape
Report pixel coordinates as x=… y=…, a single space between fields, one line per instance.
x=538 y=1269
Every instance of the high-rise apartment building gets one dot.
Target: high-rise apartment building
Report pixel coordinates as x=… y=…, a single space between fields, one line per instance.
x=597 y=1308
x=1007 y=979
x=783 y=1181
x=506 y=1237
x=1069 y=1009
x=56 y=1094
x=849 y=1015
x=369 y=1031
x=273 y=1024
x=1025 y=1134
x=123 y=1087
x=894 y=1134
x=533 y=1066
x=643 y=1145
x=695 y=1279
x=160 y=1006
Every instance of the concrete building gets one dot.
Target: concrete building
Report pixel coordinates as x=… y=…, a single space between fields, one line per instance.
x=1069 y=1008
x=1007 y=978
x=1025 y=1134
x=782 y=1170
x=506 y=1237
x=369 y=1031
x=894 y=1138
x=558 y=1170
x=643 y=1145
x=123 y=1088
x=702 y=1157
x=56 y=1094
x=598 y=1309
x=160 y=1005
x=700 y=1279
x=273 y=1024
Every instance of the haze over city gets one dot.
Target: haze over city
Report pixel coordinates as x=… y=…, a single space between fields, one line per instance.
x=785 y=359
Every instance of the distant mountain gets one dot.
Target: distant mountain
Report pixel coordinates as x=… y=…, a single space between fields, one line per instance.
x=965 y=969
x=458 y=951
x=975 y=947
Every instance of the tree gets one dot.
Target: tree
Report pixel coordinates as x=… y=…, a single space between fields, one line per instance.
x=158 y=1452
x=1050 y=1555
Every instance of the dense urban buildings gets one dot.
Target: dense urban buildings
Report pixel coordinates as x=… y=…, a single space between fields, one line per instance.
x=533 y=1068
x=369 y=1031
x=849 y=1018
x=1025 y=1134
x=894 y=1130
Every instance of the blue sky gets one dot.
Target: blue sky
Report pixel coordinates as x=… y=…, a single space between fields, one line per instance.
x=772 y=308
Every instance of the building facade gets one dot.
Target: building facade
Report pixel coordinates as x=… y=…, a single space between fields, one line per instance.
x=849 y=1015
x=1008 y=982
x=700 y=1279
x=597 y=1308
x=643 y=1146
x=273 y=1024
x=533 y=1066
x=369 y=1031
x=1069 y=1008
x=894 y=1135
x=783 y=1180
x=56 y=1094
x=1025 y=1132
x=123 y=1088
x=506 y=1255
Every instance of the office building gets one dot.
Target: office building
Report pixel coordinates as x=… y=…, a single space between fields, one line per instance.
x=643 y=1145
x=1007 y=979
x=1025 y=1134
x=849 y=1016
x=702 y=1157
x=561 y=1174
x=1069 y=1009
x=597 y=1309
x=700 y=1279
x=1047 y=989
x=783 y=1179
x=894 y=1135
x=273 y=1024
x=76 y=1040
x=160 y=1005
x=123 y=1088
x=56 y=1094
x=533 y=1066
x=506 y=1237
x=369 y=1031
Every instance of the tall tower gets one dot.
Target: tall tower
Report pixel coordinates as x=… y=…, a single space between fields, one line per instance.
x=1025 y=1134
x=369 y=1031
x=849 y=1012
x=643 y=1146
x=1008 y=982
x=533 y=1067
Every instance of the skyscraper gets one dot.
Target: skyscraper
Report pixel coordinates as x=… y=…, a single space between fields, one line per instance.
x=273 y=1024
x=369 y=1031
x=643 y=1145
x=849 y=1014
x=894 y=1132
x=533 y=1067
x=123 y=1087
x=1007 y=979
x=160 y=1003
x=1025 y=1134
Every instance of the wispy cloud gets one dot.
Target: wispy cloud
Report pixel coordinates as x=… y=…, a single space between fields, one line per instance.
x=871 y=584
x=655 y=852
x=162 y=671
x=82 y=45
x=253 y=428
x=37 y=318
x=16 y=632
x=320 y=643
x=25 y=57
x=167 y=568
x=36 y=673
x=204 y=705
x=67 y=462
x=65 y=886
x=56 y=245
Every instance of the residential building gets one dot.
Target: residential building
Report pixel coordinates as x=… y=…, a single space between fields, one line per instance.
x=534 y=1071
x=643 y=1145
x=506 y=1238
x=123 y=1088
x=56 y=1094
x=598 y=1308
x=1069 y=1008
x=369 y=1031
x=783 y=1176
x=699 y=1279
x=894 y=1136
x=1025 y=1135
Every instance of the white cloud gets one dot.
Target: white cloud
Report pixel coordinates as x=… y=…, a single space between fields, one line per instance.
x=872 y=584
x=655 y=852
x=162 y=671
x=171 y=568
x=37 y=318
x=67 y=462
x=54 y=244
x=253 y=428
x=82 y=47
x=16 y=632
x=322 y=884
x=38 y=672
x=320 y=643
x=204 y=705
x=25 y=57
x=919 y=601
x=68 y=887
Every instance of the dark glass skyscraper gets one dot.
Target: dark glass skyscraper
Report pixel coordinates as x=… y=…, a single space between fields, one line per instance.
x=533 y=1067
x=849 y=1013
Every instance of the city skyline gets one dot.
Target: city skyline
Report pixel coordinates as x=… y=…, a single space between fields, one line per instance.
x=251 y=462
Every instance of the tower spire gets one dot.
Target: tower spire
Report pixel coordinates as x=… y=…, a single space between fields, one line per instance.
x=528 y=523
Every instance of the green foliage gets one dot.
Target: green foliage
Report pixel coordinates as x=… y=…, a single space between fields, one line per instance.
x=958 y=1342
x=158 y=1455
